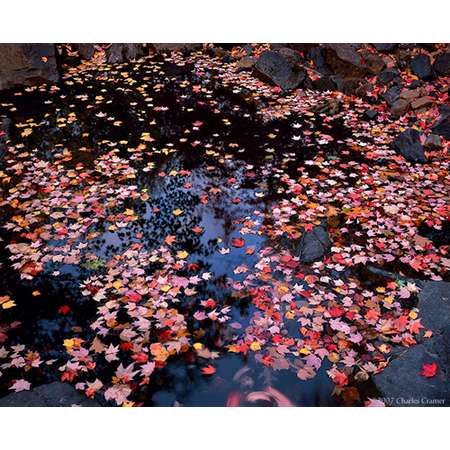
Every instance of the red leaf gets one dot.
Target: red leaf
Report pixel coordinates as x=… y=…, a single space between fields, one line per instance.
x=208 y=370
x=429 y=370
x=237 y=242
x=64 y=310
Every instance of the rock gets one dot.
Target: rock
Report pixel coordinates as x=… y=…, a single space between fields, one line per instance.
x=246 y=63
x=290 y=54
x=179 y=47
x=388 y=75
x=408 y=145
x=410 y=94
x=374 y=63
x=420 y=66
x=415 y=390
x=52 y=394
x=370 y=113
x=313 y=245
x=315 y=55
x=392 y=95
x=27 y=64
x=442 y=64
x=85 y=51
x=442 y=126
x=352 y=86
x=399 y=107
x=118 y=53
x=422 y=102
x=433 y=141
x=329 y=106
x=274 y=67
x=385 y=47
x=344 y=60
x=324 y=83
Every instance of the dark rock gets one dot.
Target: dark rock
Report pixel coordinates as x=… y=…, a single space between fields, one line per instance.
x=399 y=107
x=442 y=126
x=433 y=141
x=422 y=102
x=329 y=106
x=183 y=46
x=392 y=95
x=344 y=60
x=352 y=86
x=420 y=66
x=118 y=53
x=85 y=51
x=415 y=390
x=385 y=47
x=290 y=54
x=52 y=394
x=370 y=114
x=315 y=55
x=442 y=64
x=408 y=145
x=388 y=75
x=415 y=84
x=374 y=63
x=410 y=94
x=246 y=63
x=324 y=83
x=274 y=67
x=313 y=245
x=27 y=64
x=303 y=47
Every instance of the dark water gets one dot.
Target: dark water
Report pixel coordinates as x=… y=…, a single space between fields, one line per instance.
x=233 y=154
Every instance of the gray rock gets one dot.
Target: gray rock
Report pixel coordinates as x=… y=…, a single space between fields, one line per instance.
x=392 y=95
x=433 y=141
x=313 y=245
x=442 y=64
x=408 y=145
x=52 y=394
x=176 y=47
x=27 y=64
x=246 y=63
x=118 y=53
x=415 y=390
x=422 y=102
x=344 y=60
x=85 y=51
x=420 y=65
x=324 y=83
x=442 y=126
x=385 y=47
x=388 y=75
x=400 y=107
x=271 y=66
x=290 y=54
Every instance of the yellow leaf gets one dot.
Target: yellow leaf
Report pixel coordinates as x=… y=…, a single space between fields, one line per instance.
x=304 y=351
x=165 y=287
x=177 y=212
x=255 y=346
x=8 y=305
x=182 y=254
x=198 y=346
x=117 y=284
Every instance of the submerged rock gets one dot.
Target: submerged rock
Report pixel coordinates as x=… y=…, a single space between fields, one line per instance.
x=409 y=146
x=279 y=70
x=52 y=394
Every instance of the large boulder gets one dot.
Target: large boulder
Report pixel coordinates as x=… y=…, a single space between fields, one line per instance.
x=442 y=64
x=52 y=394
x=414 y=389
x=409 y=146
x=274 y=67
x=27 y=64
x=344 y=60
x=420 y=66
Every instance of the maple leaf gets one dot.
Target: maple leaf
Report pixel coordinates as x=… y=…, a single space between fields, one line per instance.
x=208 y=370
x=237 y=242
x=169 y=240
x=429 y=370
x=20 y=385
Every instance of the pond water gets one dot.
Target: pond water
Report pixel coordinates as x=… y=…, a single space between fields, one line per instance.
x=205 y=161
